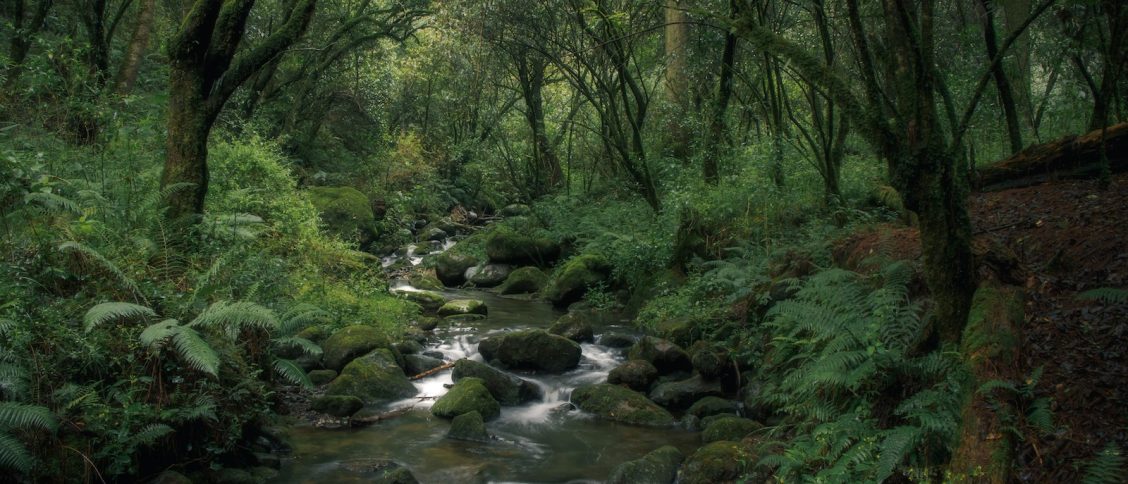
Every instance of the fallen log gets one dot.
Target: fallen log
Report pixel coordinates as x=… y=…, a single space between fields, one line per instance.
x=1069 y=157
x=371 y=419
x=432 y=371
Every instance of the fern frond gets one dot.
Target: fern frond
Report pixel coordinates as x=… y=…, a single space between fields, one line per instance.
x=93 y=257
x=6 y=326
x=1106 y=468
x=52 y=204
x=302 y=316
x=308 y=347
x=109 y=311
x=13 y=379
x=150 y=434
x=234 y=317
x=23 y=416
x=1040 y=415
x=292 y=373
x=1110 y=295
x=13 y=454
x=156 y=334
x=897 y=444
x=196 y=352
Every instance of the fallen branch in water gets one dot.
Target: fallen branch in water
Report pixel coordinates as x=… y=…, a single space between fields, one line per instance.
x=432 y=371
x=369 y=420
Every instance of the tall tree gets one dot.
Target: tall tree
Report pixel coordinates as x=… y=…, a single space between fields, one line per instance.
x=206 y=66
x=1002 y=83
x=678 y=78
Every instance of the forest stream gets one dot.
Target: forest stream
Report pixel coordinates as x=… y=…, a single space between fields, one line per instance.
x=541 y=441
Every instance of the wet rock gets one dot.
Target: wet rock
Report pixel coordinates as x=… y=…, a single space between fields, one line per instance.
x=526 y=280
x=229 y=475
x=730 y=428
x=380 y=471
x=667 y=357
x=373 y=378
x=340 y=406
x=710 y=406
x=409 y=347
x=321 y=377
x=619 y=404
x=708 y=360
x=720 y=461
x=679 y=395
x=428 y=300
x=755 y=405
x=467 y=395
x=573 y=327
x=267 y=460
x=264 y=474
x=570 y=282
x=509 y=247
x=636 y=374
x=531 y=350
x=425 y=280
x=433 y=233
x=417 y=364
x=616 y=340
x=489 y=275
x=351 y=342
x=468 y=426
x=505 y=388
x=438 y=355
x=317 y=334
x=463 y=306
x=451 y=268
x=515 y=210
x=657 y=467
x=427 y=324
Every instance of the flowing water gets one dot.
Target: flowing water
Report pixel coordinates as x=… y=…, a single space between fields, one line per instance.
x=542 y=441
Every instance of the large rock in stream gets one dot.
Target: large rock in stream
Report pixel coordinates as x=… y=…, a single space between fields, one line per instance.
x=574 y=326
x=489 y=275
x=619 y=404
x=721 y=461
x=636 y=374
x=570 y=282
x=451 y=267
x=657 y=467
x=526 y=280
x=459 y=307
x=509 y=247
x=469 y=426
x=373 y=378
x=349 y=343
x=506 y=389
x=531 y=349
x=667 y=357
x=467 y=395
x=680 y=395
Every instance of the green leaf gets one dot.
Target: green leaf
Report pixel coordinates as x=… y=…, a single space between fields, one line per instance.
x=13 y=454
x=196 y=352
x=234 y=317
x=292 y=373
x=155 y=336
x=110 y=311
x=1110 y=295
x=150 y=434
x=23 y=416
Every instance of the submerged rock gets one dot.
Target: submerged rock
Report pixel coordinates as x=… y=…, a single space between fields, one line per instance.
x=340 y=406
x=380 y=471
x=613 y=402
x=351 y=342
x=505 y=388
x=373 y=378
x=657 y=467
x=467 y=395
x=531 y=350
x=572 y=281
x=469 y=426
x=679 y=395
x=463 y=306
x=667 y=357
x=636 y=374
x=721 y=461
x=525 y=280
x=451 y=268
x=573 y=327
x=616 y=340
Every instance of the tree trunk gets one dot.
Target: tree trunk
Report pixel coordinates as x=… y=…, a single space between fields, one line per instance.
x=135 y=51
x=710 y=169
x=547 y=173
x=1071 y=156
x=185 y=173
x=1006 y=95
x=1015 y=13
x=677 y=78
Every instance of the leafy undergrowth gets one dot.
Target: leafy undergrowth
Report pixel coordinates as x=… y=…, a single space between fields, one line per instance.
x=1071 y=236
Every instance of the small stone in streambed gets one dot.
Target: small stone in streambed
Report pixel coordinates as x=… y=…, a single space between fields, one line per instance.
x=427 y=324
x=321 y=377
x=418 y=364
x=657 y=467
x=463 y=306
x=467 y=395
x=468 y=426
x=380 y=471
x=340 y=406
x=636 y=374
x=616 y=340
x=438 y=355
x=680 y=395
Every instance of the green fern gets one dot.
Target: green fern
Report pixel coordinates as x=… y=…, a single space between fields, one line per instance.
x=306 y=346
x=47 y=203
x=110 y=311
x=149 y=434
x=1108 y=467
x=13 y=454
x=1110 y=295
x=23 y=416
x=93 y=257
x=188 y=344
x=302 y=316
x=234 y=317
x=292 y=373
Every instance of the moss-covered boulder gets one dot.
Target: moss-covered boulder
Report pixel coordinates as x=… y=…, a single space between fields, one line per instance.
x=571 y=281
x=616 y=340
x=711 y=362
x=666 y=356
x=427 y=324
x=657 y=467
x=679 y=395
x=345 y=211
x=432 y=233
x=526 y=280
x=340 y=406
x=709 y=406
x=532 y=349
x=428 y=300
x=459 y=307
x=321 y=377
x=170 y=477
x=489 y=275
x=638 y=375
x=467 y=395
x=515 y=210
x=574 y=327
x=317 y=334
x=417 y=364
x=373 y=378
x=504 y=246
x=725 y=427
x=451 y=267
x=721 y=461
x=469 y=426
x=505 y=388
x=425 y=280
x=619 y=404
x=351 y=342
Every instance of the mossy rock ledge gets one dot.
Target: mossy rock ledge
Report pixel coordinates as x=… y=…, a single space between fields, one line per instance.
x=619 y=404
x=467 y=395
x=526 y=280
x=532 y=349
x=657 y=467
x=505 y=388
x=460 y=307
x=666 y=356
x=508 y=247
x=570 y=282
x=373 y=378
x=351 y=342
